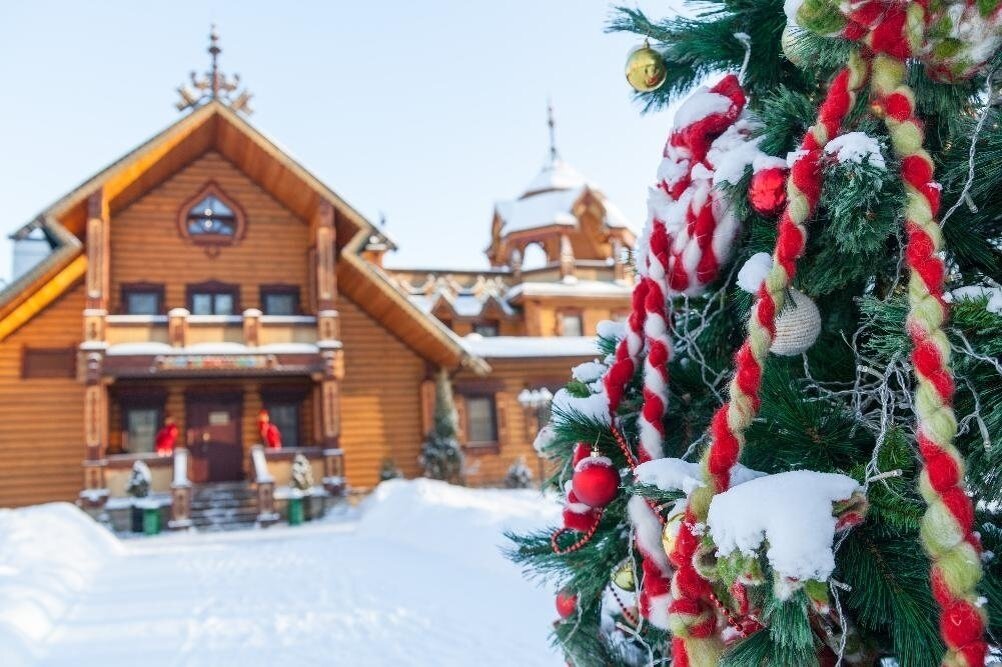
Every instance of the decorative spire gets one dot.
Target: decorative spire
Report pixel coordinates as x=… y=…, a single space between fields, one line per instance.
x=214 y=85
x=553 y=134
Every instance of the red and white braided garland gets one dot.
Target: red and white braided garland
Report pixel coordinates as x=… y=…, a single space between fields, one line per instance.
x=948 y=524
x=694 y=622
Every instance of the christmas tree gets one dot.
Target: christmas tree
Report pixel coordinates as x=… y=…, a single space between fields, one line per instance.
x=441 y=456
x=790 y=452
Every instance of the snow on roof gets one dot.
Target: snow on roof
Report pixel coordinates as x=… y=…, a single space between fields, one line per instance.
x=587 y=288
x=539 y=210
x=556 y=175
x=530 y=346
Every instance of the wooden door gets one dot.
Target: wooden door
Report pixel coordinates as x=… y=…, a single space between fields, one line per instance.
x=216 y=448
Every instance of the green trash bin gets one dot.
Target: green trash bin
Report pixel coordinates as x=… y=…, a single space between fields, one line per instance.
x=151 y=520
x=295 y=510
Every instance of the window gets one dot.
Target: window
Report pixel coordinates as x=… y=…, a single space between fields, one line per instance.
x=142 y=299
x=44 y=362
x=486 y=328
x=280 y=299
x=211 y=216
x=140 y=425
x=213 y=298
x=570 y=324
x=285 y=416
x=481 y=420
x=211 y=219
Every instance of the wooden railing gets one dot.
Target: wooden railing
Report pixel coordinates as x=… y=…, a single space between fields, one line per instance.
x=180 y=329
x=265 y=483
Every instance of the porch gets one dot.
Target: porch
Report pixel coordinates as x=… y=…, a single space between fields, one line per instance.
x=261 y=500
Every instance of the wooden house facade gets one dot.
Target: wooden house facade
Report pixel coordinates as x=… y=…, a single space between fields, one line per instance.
x=207 y=275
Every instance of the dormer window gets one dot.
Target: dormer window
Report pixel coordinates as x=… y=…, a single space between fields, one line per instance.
x=211 y=219
x=211 y=216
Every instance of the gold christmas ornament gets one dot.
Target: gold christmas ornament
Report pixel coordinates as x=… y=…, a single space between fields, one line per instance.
x=645 y=68
x=670 y=532
x=623 y=577
x=797 y=326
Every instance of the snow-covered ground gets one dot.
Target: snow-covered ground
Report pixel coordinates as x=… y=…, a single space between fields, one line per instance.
x=414 y=577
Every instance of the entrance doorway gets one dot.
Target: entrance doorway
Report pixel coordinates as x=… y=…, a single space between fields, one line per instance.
x=216 y=443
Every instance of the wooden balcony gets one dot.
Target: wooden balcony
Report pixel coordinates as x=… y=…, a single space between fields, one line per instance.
x=180 y=343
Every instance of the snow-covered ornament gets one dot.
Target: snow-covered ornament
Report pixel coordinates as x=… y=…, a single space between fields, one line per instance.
x=624 y=578
x=797 y=325
x=788 y=41
x=595 y=482
x=767 y=191
x=645 y=68
x=566 y=603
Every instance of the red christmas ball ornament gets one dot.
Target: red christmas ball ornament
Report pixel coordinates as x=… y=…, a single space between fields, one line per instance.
x=767 y=191
x=595 y=481
x=567 y=604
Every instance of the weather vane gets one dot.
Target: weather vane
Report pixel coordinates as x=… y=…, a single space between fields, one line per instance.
x=214 y=85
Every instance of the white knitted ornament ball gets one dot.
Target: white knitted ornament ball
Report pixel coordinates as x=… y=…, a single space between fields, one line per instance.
x=797 y=326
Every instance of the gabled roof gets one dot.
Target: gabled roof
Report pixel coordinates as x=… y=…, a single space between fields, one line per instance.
x=216 y=127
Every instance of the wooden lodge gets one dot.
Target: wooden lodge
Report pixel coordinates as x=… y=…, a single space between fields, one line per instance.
x=206 y=275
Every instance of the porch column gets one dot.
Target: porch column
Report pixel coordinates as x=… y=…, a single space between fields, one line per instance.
x=328 y=324
x=92 y=349
x=95 y=491
x=566 y=257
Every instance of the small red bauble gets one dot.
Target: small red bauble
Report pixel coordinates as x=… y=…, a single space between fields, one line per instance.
x=567 y=604
x=595 y=481
x=767 y=191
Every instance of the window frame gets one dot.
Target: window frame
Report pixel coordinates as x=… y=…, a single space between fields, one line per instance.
x=287 y=395
x=128 y=289
x=212 y=243
x=570 y=312
x=495 y=324
x=212 y=287
x=59 y=363
x=494 y=444
x=280 y=289
x=139 y=399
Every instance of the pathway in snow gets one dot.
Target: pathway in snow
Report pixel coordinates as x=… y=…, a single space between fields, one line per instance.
x=416 y=581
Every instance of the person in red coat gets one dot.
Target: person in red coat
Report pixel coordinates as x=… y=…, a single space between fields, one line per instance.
x=166 y=437
x=270 y=435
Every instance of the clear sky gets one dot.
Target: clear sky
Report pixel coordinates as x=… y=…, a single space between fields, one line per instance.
x=427 y=112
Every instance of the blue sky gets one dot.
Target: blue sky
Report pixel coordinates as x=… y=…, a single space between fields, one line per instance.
x=427 y=112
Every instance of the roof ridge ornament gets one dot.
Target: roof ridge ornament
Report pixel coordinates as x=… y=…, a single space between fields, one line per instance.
x=554 y=156
x=214 y=85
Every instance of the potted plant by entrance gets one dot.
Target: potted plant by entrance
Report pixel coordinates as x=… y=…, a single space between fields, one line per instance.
x=300 y=490
x=145 y=513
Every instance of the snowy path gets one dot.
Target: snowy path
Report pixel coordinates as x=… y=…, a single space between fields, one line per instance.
x=416 y=581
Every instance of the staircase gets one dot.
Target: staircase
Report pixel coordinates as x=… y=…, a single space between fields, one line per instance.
x=223 y=506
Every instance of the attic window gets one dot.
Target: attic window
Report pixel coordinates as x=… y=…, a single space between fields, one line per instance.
x=211 y=216
x=211 y=219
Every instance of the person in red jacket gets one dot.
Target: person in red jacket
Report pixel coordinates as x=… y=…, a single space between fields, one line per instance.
x=166 y=437
x=270 y=435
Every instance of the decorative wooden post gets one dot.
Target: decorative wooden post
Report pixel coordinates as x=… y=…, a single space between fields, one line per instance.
x=618 y=261
x=180 y=491
x=95 y=492
x=177 y=327
x=566 y=257
x=265 y=483
x=252 y=327
x=328 y=326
